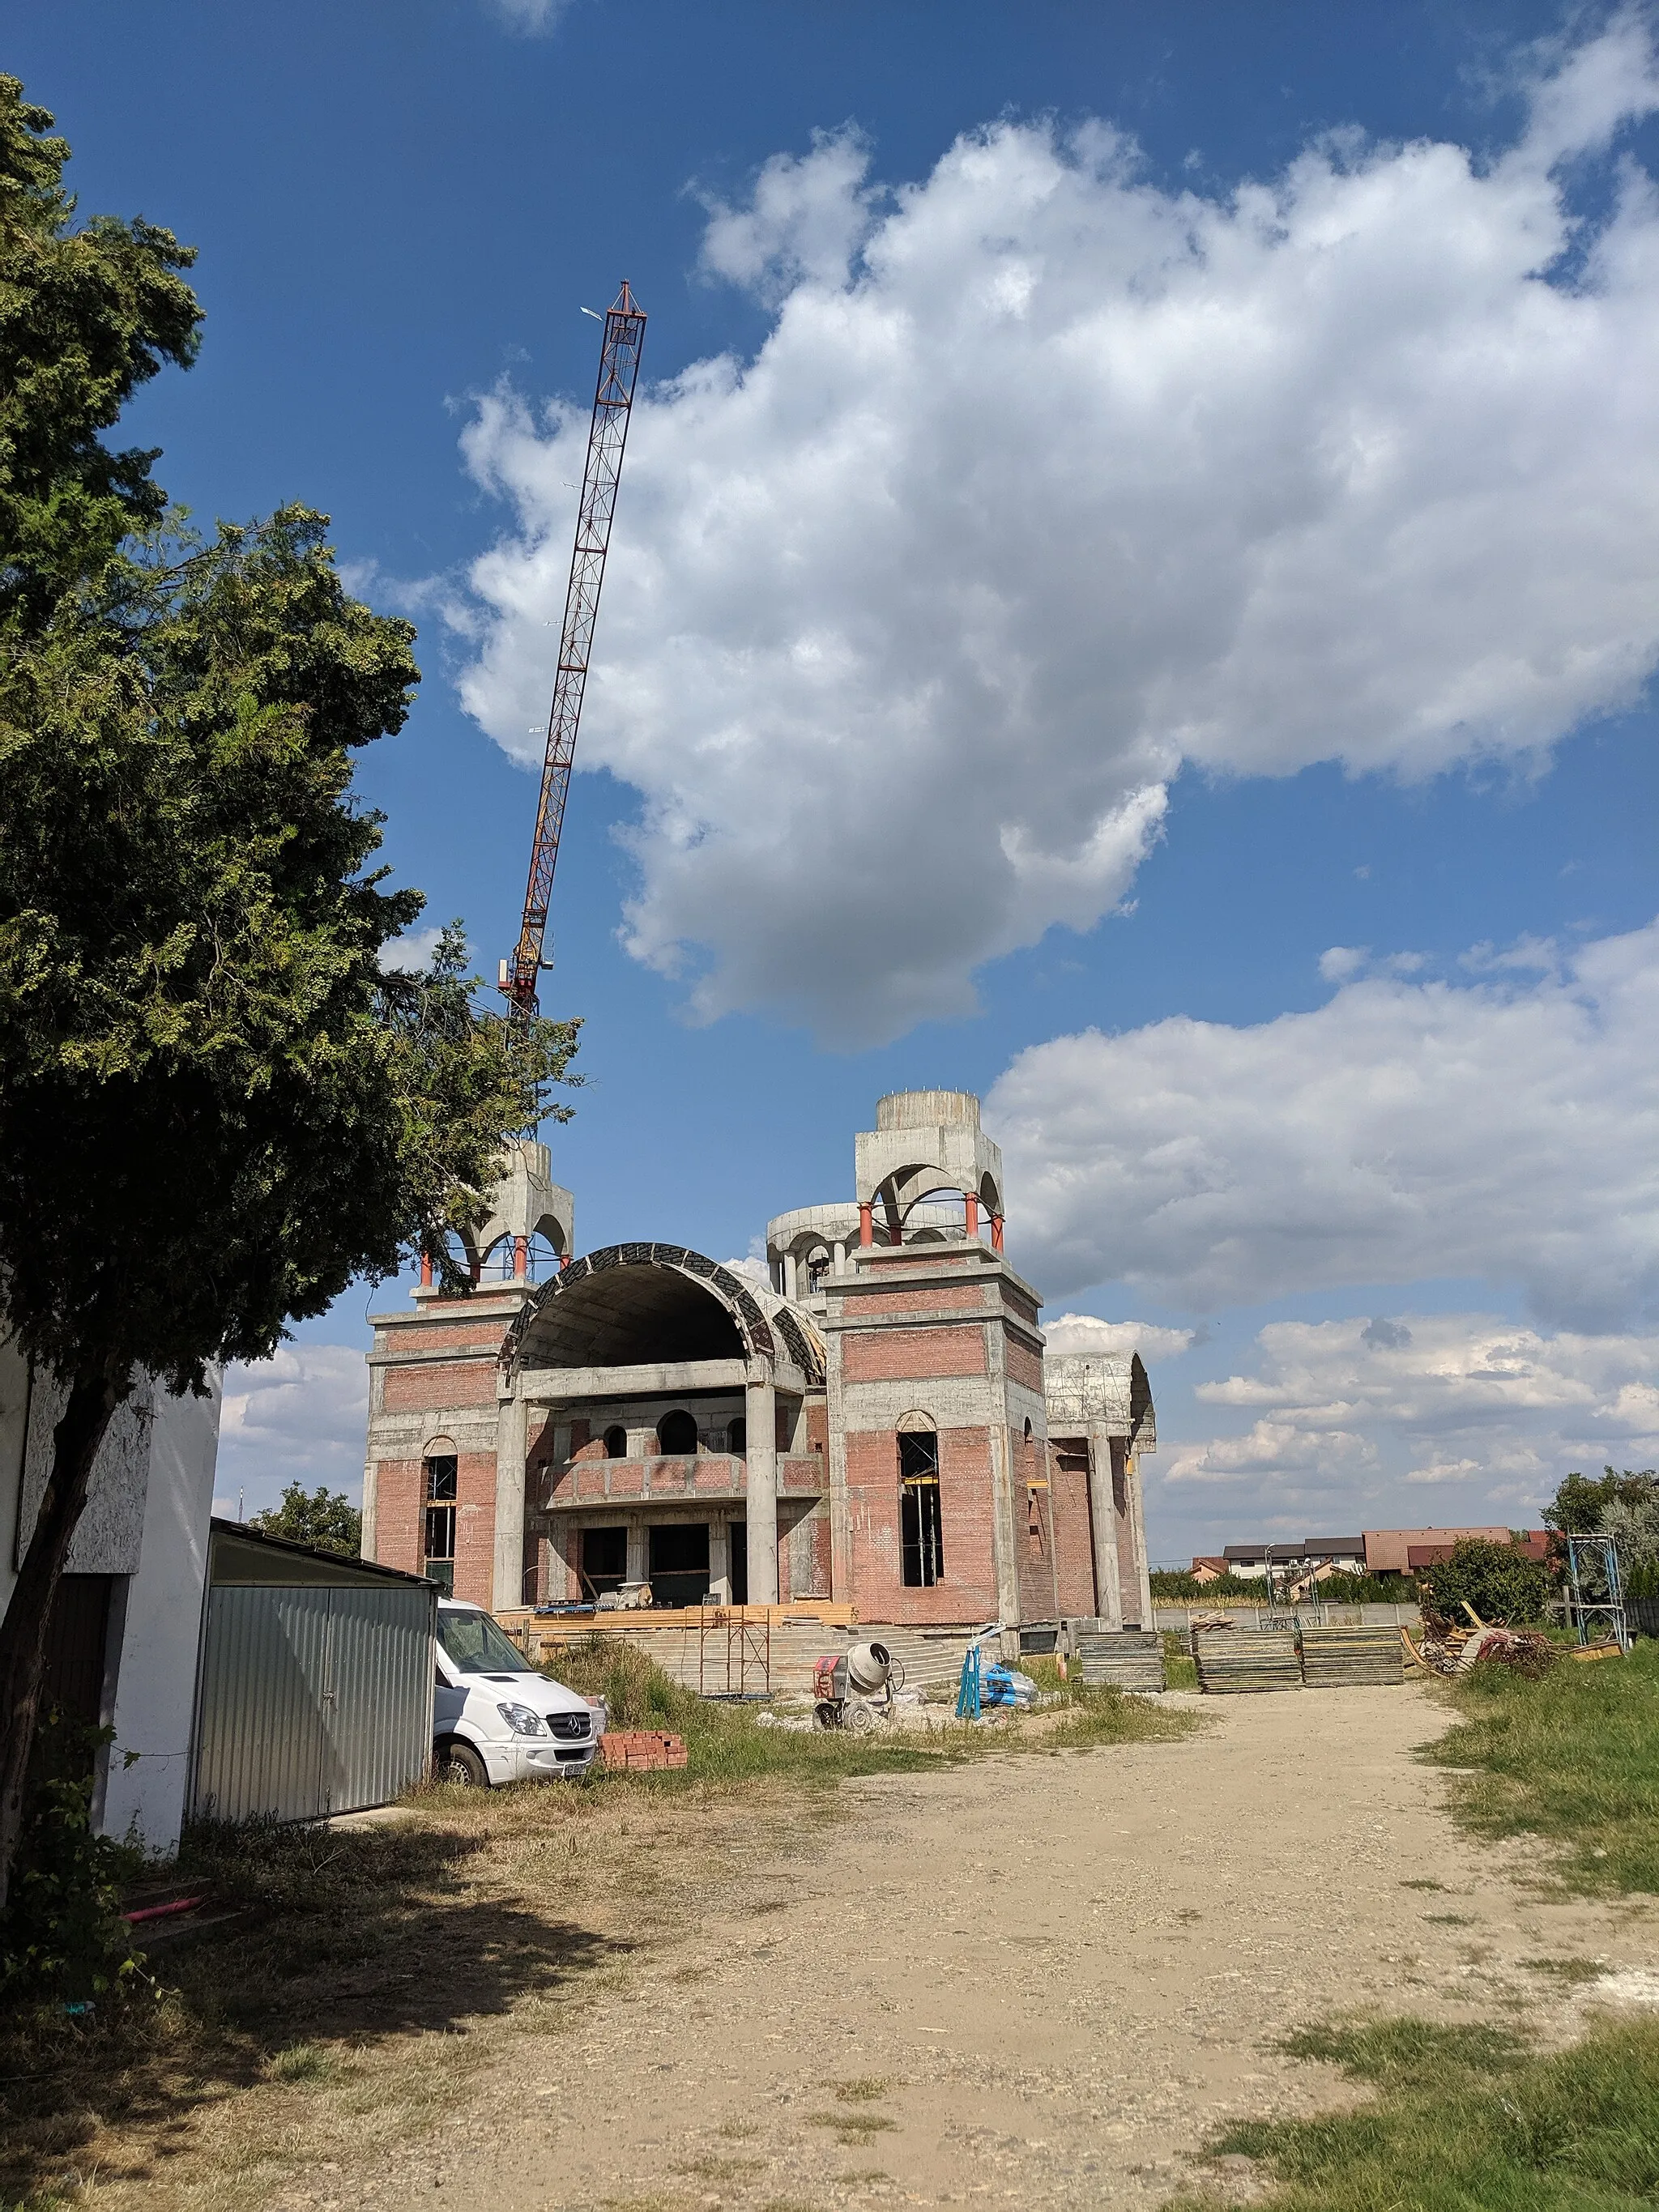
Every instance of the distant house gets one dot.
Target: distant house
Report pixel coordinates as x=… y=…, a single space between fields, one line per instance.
x=1534 y=1542
x=1403 y=1550
x=1331 y=1554
x=1209 y=1570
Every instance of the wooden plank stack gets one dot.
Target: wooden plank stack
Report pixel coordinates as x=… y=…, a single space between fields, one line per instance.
x=1332 y=1658
x=1232 y=1660
x=1121 y=1659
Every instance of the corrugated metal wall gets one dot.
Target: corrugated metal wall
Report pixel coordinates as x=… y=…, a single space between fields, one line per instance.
x=312 y=1701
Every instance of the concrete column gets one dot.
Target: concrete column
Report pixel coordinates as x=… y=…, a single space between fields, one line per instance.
x=1138 y=1537
x=839 y=1250
x=719 y=1560
x=1103 y=1520
x=512 y=1427
x=790 y=1277
x=639 y=1551
x=760 y=1409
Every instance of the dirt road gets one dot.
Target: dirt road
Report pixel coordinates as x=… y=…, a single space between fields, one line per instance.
x=1046 y=1978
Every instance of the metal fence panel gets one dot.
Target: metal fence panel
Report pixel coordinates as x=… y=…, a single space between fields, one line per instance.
x=314 y=1700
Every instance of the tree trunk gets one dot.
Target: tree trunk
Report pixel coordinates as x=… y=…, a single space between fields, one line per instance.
x=94 y=1395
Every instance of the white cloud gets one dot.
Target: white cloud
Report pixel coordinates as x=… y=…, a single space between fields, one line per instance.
x=1505 y=1129
x=412 y=951
x=1071 y=1332
x=532 y=17
x=1047 y=480
x=1488 y=1412
x=301 y=1416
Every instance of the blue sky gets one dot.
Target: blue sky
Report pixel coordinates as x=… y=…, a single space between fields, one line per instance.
x=1156 y=633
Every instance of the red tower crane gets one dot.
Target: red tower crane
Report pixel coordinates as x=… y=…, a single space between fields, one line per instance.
x=613 y=400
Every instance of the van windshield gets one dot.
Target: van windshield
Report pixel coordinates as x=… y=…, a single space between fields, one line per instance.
x=476 y=1646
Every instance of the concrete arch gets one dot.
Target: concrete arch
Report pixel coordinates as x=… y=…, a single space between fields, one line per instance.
x=630 y=1303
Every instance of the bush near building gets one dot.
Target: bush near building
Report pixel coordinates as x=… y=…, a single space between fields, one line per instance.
x=1499 y=1582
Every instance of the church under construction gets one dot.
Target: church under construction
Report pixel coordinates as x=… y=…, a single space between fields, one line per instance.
x=877 y=1428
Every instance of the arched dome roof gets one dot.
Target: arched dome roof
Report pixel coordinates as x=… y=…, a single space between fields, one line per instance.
x=631 y=1304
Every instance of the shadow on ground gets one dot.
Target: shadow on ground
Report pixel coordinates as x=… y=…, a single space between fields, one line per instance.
x=333 y=1939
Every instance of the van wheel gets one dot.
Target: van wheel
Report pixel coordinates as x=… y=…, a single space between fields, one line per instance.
x=458 y=1762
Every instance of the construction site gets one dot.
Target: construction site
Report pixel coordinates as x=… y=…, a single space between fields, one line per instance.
x=658 y=1445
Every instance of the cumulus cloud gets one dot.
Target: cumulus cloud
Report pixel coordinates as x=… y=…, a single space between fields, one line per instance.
x=1047 y=480
x=1506 y=1128
x=410 y=953
x=301 y=1416
x=1487 y=1413
x=1081 y=1333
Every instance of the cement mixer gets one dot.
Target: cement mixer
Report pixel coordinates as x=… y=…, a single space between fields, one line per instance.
x=846 y=1685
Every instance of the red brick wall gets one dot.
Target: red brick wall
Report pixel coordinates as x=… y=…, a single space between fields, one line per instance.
x=398 y=1504
x=895 y=1354
x=1069 y=1499
x=969 y=1589
x=943 y=1298
x=474 y=1527
x=1025 y=1366
x=428 y=1389
x=485 y=1333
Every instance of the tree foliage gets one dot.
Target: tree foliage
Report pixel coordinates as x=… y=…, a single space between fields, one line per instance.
x=1500 y=1581
x=323 y=1518
x=216 y=1107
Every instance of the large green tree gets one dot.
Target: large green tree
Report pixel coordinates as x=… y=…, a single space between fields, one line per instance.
x=216 y=1107
x=326 y=1519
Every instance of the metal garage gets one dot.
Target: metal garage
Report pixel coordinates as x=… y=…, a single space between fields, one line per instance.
x=314 y=1695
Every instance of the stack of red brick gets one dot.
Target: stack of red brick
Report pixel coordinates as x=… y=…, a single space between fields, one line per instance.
x=640 y=1749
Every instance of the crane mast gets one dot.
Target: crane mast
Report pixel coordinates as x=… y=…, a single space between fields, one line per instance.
x=613 y=400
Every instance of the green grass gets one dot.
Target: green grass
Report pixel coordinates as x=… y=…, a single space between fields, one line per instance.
x=725 y=1744
x=1180 y=1668
x=1464 y=2120
x=1573 y=1758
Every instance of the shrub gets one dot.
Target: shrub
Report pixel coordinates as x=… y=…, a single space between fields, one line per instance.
x=1500 y=1581
x=62 y=1936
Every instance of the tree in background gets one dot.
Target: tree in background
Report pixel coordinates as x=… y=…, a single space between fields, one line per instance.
x=1621 y=1505
x=1501 y=1582
x=217 y=1107
x=324 y=1518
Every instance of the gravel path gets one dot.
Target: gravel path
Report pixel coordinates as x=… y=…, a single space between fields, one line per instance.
x=1046 y=1978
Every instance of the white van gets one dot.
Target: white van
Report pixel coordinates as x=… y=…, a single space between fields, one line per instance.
x=496 y=1720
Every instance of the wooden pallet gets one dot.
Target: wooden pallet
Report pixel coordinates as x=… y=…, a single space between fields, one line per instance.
x=1124 y=1659
x=1334 y=1658
x=1231 y=1661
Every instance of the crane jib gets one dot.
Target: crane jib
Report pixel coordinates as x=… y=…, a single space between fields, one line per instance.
x=607 y=436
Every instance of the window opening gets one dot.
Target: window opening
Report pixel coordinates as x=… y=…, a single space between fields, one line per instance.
x=737 y=1437
x=737 y=1542
x=615 y=1442
x=678 y=1562
x=440 y=1486
x=921 y=1535
x=677 y=1432
x=604 y=1559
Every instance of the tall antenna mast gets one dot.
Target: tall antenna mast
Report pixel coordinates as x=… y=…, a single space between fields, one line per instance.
x=613 y=400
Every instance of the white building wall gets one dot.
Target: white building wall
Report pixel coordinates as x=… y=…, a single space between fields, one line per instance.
x=145 y=1524
x=148 y=1773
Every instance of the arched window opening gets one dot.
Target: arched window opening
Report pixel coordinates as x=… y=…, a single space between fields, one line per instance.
x=615 y=1442
x=677 y=1432
x=440 y=1485
x=737 y=1437
x=1028 y=1428
x=921 y=1535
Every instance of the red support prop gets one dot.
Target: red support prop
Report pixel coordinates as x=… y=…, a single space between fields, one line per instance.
x=426 y=1271
x=996 y=1232
x=971 y=1205
x=866 y=1223
x=520 y=1256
